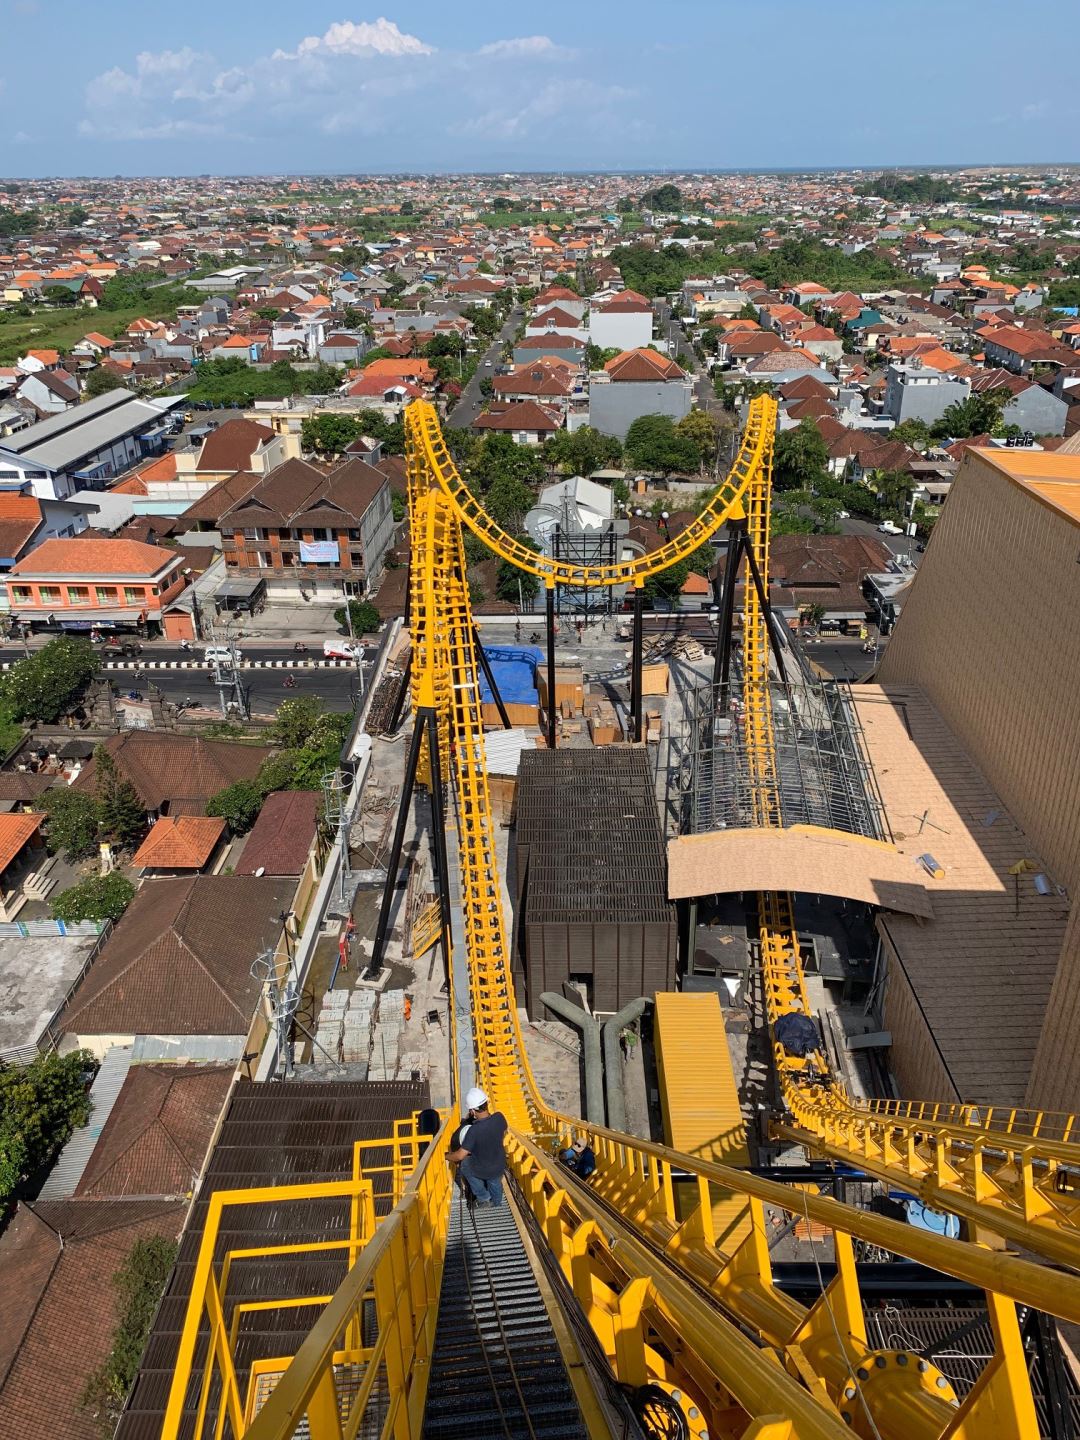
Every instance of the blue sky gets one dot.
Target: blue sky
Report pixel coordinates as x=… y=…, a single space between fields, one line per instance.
x=260 y=86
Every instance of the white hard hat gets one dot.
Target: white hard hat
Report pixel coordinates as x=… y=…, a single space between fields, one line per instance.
x=475 y=1100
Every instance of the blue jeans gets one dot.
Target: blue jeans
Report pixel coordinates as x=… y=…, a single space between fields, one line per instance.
x=490 y=1190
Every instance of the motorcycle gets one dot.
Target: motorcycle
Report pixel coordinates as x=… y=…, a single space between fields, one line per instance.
x=288 y=683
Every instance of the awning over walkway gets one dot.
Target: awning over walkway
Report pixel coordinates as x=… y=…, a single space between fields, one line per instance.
x=803 y=859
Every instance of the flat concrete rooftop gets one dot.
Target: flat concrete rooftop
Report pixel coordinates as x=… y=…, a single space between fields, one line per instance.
x=35 y=978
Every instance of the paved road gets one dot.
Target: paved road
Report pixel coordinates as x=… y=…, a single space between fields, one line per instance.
x=337 y=689
x=471 y=401
x=842 y=658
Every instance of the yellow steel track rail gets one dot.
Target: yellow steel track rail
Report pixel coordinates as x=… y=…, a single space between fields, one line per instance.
x=664 y=1297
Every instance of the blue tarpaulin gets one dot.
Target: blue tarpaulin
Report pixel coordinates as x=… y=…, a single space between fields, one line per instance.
x=514 y=668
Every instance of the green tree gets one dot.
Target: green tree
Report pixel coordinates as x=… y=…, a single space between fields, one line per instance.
x=45 y=683
x=663 y=197
x=100 y=381
x=581 y=452
x=74 y=818
x=748 y=312
x=800 y=457
x=498 y=456
x=365 y=618
x=702 y=430
x=508 y=501
x=894 y=489
x=121 y=813
x=507 y=579
x=277 y=772
x=140 y=1283
x=239 y=804
x=101 y=897
x=40 y=1105
x=398 y=505
x=295 y=720
x=330 y=433
x=77 y=216
x=59 y=295
x=915 y=433
x=977 y=415
x=653 y=444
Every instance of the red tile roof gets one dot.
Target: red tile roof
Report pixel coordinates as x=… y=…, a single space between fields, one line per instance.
x=281 y=837
x=15 y=831
x=156 y=1137
x=182 y=842
x=635 y=365
x=58 y=1305
x=231 y=446
x=83 y=556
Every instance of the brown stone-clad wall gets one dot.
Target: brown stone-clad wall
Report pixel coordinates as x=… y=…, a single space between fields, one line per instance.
x=990 y=633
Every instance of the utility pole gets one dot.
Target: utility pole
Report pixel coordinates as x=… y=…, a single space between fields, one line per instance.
x=228 y=685
x=357 y=650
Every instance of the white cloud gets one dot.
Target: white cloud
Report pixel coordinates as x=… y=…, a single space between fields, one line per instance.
x=527 y=47
x=347 y=37
x=359 y=79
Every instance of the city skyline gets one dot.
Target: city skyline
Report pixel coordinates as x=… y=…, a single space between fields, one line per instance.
x=414 y=88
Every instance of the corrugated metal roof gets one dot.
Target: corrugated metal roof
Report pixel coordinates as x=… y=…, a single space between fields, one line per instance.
x=88 y=428
x=503 y=750
x=75 y=1156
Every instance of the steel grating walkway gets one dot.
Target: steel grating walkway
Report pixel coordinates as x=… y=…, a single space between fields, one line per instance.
x=497 y=1368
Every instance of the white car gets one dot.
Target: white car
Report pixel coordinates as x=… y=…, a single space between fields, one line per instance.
x=843 y=514
x=222 y=654
x=342 y=650
x=887 y=527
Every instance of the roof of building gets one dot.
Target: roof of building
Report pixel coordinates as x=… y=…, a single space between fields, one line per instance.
x=165 y=769
x=57 y=1304
x=636 y=365
x=980 y=971
x=1050 y=475
x=179 y=961
x=79 y=432
x=15 y=830
x=179 y=842
x=297 y=493
x=518 y=415
x=222 y=497
x=158 y=1131
x=281 y=837
x=231 y=446
x=84 y=557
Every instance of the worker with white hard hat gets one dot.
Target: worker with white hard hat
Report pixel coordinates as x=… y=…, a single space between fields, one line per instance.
x=480 y=1151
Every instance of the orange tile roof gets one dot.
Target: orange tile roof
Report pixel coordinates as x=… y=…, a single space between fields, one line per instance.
x=14 y=506
x=15 y=831
x=179 y=842
x=94 y=557
x=160 y=469
x=47 y=357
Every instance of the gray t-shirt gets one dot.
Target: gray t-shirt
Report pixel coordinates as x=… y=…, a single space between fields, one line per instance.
x=484 y=1142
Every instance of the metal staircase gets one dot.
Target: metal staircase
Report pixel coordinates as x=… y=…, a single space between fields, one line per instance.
x=497 y=1369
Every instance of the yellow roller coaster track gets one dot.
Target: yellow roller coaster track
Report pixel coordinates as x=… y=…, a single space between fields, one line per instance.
x=666 y=1300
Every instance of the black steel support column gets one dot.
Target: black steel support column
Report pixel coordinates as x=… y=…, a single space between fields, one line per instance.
x=485 y=665
x=1054 y=1375
x=766 y=608
x=402 y=695
x=551 y=666
x=438 y=826
x=394 y=863
x=635 y=664
x=726 y=618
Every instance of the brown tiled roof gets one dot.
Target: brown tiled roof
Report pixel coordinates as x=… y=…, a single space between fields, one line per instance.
x=522 y=415
x=231 y=446
x=393 y=467
x=297 y=494
x=643 y=365
x=156 y=1137
x=224 y=495
x=165 y=768
x=281 y=837
x=22 y=786
x=179 y=962
x=179 y=842
x=58 y=1305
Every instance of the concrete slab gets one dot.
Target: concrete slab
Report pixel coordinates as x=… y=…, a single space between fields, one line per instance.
x=36 y=976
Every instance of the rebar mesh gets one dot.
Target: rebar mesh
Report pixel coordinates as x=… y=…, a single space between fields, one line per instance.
x=823 y=774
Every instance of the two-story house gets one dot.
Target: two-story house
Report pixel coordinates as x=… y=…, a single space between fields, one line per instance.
x=90 y=584
x=303 y=529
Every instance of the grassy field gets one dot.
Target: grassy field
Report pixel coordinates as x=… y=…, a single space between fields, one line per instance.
x=502 y=219
x=60 y=329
